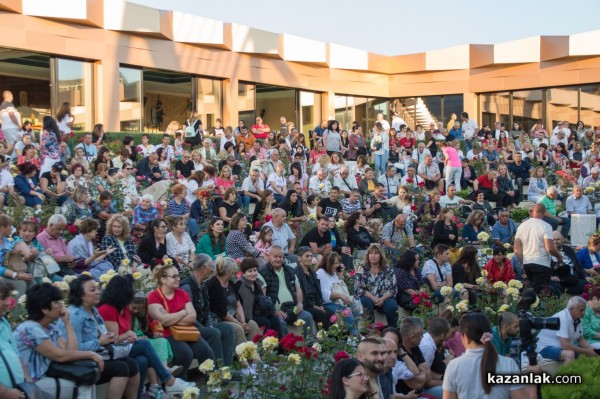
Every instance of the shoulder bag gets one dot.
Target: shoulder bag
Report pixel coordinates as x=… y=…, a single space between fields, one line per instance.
x=30 y=389
x=81 y=372
x=180 y=332
x=263 y=306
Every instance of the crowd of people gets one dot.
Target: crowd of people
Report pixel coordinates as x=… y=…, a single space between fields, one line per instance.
x=254 y=227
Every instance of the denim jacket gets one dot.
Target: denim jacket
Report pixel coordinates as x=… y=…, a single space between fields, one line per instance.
x=85 y=328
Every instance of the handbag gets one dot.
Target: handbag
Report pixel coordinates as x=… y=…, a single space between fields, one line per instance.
x=288 y=309
x=115 y=351
x=180 y=332
x=263 y=306
x=81 y=372
x=30 y=389
x=48 y=263
x=16 y=263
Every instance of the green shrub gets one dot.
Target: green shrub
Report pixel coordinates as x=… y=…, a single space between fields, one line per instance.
x=464 y=194
x=586 y=367
x=519 y=214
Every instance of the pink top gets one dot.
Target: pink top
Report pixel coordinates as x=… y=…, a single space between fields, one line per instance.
x=455 y=344
x=224 y=184
x=57 y=245
x=452 y=156
x=263 y=247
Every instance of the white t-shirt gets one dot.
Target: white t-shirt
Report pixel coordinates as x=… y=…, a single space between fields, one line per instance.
x=446 y=202
x=248 y=186
x=463 y=376
x=428 y=349
x=532 y=234
x=6 y=178
x=567 y=330
x=63 y=124
x=7 y=122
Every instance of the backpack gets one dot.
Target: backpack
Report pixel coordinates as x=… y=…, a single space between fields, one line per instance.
x=189 y=130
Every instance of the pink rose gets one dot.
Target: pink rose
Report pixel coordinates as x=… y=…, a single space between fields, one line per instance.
x=346 y=312
x=333 y=318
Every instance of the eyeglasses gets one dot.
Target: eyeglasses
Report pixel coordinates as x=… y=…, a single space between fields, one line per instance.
x=360 y=374
x=174 y=277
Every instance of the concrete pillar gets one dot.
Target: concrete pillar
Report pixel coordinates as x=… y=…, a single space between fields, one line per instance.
x=470 y=106
x=230 y=102
x=107 y=101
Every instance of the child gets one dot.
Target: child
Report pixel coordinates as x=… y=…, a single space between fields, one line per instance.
x=178 y=145
x=139 y=323
x=311 y=205
x=265 y=240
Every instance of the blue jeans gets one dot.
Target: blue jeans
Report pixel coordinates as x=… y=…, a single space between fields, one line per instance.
x=381 y=162
x=309 y=326
x=145 y=356
x=246 y=200
x=220 y=337
x=350 y=321
x=389 y=308
x=193 y=228
x=566 y=224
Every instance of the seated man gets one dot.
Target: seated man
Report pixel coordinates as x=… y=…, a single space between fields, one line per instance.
x=351 y=204
x=345 y=181
x=488 y=184
x=451 y=200
x=148 y=168
x=429 y=171
x=252 y=188
x=571 y=275
x=330 y=206
x=578 y=203
x=390 y=181
x=437 y=329
x=319 y=185
x=397 y=233
x=568 y=342
x=503 y=230
x=550 y=217
x=51 y=239
x=286 y=294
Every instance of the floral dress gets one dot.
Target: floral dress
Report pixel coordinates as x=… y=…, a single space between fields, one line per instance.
x=98 y=181
x=73 y=212
x=384 y=282
x=49 y=146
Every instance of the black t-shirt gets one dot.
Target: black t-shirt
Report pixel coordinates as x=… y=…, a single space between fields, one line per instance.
x=186 y=169
x=330 y=208
x=417 y=357
x=51 y=184
x=313 y=235
x=230 y=210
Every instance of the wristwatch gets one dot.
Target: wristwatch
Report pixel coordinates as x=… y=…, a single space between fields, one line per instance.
x=402 y=355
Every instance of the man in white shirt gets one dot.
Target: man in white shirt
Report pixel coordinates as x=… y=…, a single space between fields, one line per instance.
x=533 y=246
x=11 y=121
x=561 y=126
x=384 y=123
x=7 y=183
x=539 y=139
x=562 y=345
x=430 y=173
x=390 y=181
x=270 y=165
x=167 y=148
x=451 y=200
x=469 y=128
x=121 y=160
x=434 y=337
x=411 y=179
x=559 y=138
x=345 y=181
x=594 y=177
x=252 y=188
x=498 y=127
x=397 y=121
x=319 y=185
x=282 y=234
x=578 y=204
x=419 y=155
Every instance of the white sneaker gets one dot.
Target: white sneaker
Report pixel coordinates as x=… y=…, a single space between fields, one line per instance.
x=179 y=386
x=175 y=370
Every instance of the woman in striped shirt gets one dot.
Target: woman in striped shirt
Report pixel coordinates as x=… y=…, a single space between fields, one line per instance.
x=179 y=206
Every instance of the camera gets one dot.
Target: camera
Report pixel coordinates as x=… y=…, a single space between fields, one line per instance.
x=528 y=323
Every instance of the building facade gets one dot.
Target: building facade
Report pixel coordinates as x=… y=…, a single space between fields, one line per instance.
x=135 y=68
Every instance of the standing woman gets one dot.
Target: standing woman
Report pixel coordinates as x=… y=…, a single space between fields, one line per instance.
x=480 y=356
x=376 y=285
x=170 y=305
x=65 y=118
x=50 y=144
x=179 y=243
x=356 y=143
x=345 y=143
x=445 y=230
x=332 y=140
x=452 y=165
x=380 y=147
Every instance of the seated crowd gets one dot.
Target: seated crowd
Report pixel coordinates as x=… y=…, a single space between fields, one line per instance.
x=250 y=229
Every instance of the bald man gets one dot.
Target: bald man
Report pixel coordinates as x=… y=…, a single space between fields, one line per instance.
x=373 y=354
x=533 y=246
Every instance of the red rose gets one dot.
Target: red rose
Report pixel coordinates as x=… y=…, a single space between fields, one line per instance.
x=268 y=218
x=413 y=207
x=379 y=325
x=309 y=352
x=72 y=134
x=410 y=180
x=352 y=273
x=459 y=225
x=421 y=184
x=72 y=229
x=416 y=298
x=427 y=304
x=340 y=355
x=256 y=338
x=289 y=341
x=425 y=295
x=271 y=333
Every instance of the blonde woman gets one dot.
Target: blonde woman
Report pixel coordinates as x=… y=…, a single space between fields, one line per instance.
x=118 y=236
x=224 y=302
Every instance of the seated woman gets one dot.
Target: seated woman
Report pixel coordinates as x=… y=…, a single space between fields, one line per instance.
x=357 y=235
x=30 y=248
x=376 y=286
x=249 y=287
x=538 y=185
x=53 y=184
x=466 y=271
x=292 y=205
x=27 y=186
x=236 y=244
x=430 y=210
x=367 y=183
x=224 y=302
x=225 y=180
x=170 y=305
x=339 y=245
x=408 y=278
x=438 y=271
x=590 y=322
x=263 y=208
x=329 y=272
x=483 y=205
x=468 y=174
x=118 y=236
x=114 y=310
x=179 y=243
x=203 y=208
x=228 y=206
x=40 y=341
x=77 y=208
x=101 y=182
x=589 y=257
x=76 y=178
x=82 y=247
x=144 y=212
x=212 y=243
x=499 y=268
x=179 y=206
x=122 y=375
x=445 y=230
x=474 y=226
x=152 y=249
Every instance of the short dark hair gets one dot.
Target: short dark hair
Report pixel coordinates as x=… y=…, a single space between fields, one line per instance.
x=105 y=195
x=88 y=225
x=499 y=250
x=40 y=297
x=118 y=292
x=76 y=289
x=248 y=264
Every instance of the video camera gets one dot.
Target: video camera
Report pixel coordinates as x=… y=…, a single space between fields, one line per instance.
x=528 y=323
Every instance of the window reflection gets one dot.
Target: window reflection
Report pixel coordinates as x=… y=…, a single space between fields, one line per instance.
x=130 y=104
x=167 y=98
x=246 y=103
x=209 y=100
x=495 y=107
x=75 y=87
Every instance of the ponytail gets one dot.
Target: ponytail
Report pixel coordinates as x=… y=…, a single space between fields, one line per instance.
x=488 y=363
x=477 y=328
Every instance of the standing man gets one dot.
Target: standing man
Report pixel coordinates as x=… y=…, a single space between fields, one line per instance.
x=469 y=129
x=11 y=121
x=384 y=123
x=533 y=246
x=520 y=171
x=260 y=130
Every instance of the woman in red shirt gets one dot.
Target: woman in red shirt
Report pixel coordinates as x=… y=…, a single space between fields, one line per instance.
x=114 y=309
x=499 y=268
x=170 y=305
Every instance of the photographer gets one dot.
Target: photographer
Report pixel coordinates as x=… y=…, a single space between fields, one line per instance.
x=560 y=345
x=503 y=334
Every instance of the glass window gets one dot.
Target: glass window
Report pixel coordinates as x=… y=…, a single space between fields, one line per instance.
x=495 y=107
x=310 y=112
x=75 y=87
x=167 y=99
x=130 y=106
x=590 y=105
x=453 y=107
x=527 y=108
x=273 y=102
x=27 y=76
x=209 y=103
x=429 y=110
x=246 y=103
x=405 y=108
x=562 y=104
x=342 y=113
x=375 y=106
